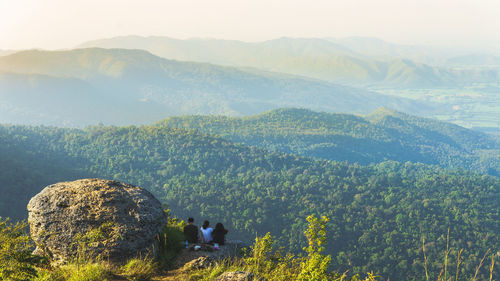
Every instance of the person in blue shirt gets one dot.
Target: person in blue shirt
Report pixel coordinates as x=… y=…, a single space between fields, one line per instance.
x=206 y=232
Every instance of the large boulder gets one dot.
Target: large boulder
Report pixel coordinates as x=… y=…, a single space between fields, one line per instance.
x=94 y=218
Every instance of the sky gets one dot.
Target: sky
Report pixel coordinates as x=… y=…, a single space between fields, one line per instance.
x=55 y=24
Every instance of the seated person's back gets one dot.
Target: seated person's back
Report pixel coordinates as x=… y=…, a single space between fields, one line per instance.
x=191 y=231
x=206 y=232
x=219 y=234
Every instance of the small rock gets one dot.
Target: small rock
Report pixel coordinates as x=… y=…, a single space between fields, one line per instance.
x=235 y=276
x=199 y=263
x=232 y=248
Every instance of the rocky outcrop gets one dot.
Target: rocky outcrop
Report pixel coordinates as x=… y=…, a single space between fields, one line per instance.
x=94 y=218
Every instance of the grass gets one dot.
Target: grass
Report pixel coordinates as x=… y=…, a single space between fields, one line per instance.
x=170 y=241
x=267 y=264
x=139 y=269
x=217 y=269
x=443 y=273
x=76 y=272
x=263 y=261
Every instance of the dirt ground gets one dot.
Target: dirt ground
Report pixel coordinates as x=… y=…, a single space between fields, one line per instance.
x=178 y=272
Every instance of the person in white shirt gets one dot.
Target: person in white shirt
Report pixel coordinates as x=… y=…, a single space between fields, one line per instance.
x=206 y=232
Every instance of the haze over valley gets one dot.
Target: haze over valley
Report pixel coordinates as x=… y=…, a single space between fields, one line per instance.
x=236 y=78
x=464 y=85
x=59 y=87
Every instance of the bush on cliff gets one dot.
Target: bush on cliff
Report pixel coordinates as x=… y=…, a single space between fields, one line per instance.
x=16 y=260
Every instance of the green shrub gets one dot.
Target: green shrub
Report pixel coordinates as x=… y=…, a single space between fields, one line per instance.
x=314 y=267
x=86 y=272
x=261 y=258
x=77 y=272
x=16 y=260
x=269 y=264
x=138 y=269
x=170 y=240
x=47 y=275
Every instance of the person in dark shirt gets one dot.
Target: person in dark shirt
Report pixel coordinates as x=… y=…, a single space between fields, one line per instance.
x=219 y=234
x=191 y=231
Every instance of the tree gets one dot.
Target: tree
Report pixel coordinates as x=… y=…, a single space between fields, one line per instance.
x=315 y=265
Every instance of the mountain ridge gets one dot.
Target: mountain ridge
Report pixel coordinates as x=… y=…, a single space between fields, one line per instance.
x=154 y=88
x=326 y=59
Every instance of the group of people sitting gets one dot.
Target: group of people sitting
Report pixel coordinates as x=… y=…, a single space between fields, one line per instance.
x=208 y=235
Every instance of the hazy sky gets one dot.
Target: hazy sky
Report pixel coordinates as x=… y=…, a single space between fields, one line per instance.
x=66 y=23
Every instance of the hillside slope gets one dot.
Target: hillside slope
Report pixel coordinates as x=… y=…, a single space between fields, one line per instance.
x=124 y=87
x=378 y=213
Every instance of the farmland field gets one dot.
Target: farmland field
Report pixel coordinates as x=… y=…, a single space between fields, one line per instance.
x=475 y=106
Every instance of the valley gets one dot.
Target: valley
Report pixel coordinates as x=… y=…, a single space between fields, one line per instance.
x=476 y=106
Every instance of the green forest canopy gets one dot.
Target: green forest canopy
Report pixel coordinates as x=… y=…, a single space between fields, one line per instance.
x=379 y=213
x=381 y=136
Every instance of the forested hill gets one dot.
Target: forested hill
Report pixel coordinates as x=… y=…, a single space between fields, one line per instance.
x=380 y=136
x=379 y=213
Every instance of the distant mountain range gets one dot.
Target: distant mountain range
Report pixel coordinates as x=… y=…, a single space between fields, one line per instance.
x=118 y=86
x=475 y=60
x=351 y=61
x=382 y=50
x=7 y=52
